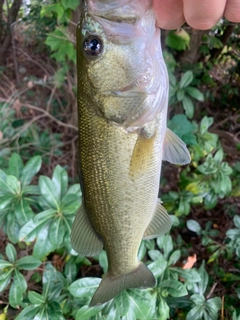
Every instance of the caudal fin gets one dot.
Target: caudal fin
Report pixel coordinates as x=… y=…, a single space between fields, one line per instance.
x=109 y=287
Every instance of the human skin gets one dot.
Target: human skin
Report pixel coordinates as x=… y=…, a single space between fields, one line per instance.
x=199 y=14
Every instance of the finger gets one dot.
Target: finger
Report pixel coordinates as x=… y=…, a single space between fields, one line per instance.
x=232 y=10
x=203 y=14
x=169 y=13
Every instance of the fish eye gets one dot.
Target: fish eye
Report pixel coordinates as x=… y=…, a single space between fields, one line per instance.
x=93 y=46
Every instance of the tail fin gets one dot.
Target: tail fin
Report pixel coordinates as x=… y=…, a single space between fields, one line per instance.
x=109 y=287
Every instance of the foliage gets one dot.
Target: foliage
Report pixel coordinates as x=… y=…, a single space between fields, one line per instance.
x=41 y=276
x=40 y=217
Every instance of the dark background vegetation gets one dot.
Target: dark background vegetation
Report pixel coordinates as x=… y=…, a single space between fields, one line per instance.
x=40 y=276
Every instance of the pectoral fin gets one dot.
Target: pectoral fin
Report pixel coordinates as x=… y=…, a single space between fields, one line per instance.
x=83 y=237
x=174 y=149
x=160 y=224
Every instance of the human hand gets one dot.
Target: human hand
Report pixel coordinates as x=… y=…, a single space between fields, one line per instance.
x=199 y=14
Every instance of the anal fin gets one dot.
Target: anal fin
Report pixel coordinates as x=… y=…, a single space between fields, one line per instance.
x=83 y=237
x=174 y=149
x=160 y=224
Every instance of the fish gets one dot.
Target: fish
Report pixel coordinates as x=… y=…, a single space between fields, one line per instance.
x=123 y=139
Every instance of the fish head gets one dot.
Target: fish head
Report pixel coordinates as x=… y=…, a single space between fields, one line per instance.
x=121 y=70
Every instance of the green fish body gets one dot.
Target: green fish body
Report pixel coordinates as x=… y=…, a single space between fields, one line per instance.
x=123 y=138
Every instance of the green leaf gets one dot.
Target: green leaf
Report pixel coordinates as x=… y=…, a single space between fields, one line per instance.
x=140 y=300
x=122 y=303
x=190 y=275
x=195 y=93
x=70 y=204
x=186 y=79
x=13 y=228
x=86 y=312
x=70 y=4
x=205 y=123
x=28 y=263
x=60 y=180
x=180 y=95
x=36 y=298
x=195 y=313
x=103 y=261
x=5 y=264
x=175 y=288
x=49 y=192
x=13 y=184
x=5 y=279
x=158 y=267
x=194 y=226
x=213 y=306
x=28 y=312
x=236 y=220
x=155 y=255
x=15 y=165
x=20 y=281
x=188 y=107
x=23 y=212
x=84 y=287
x=43 y=245
x=178 y=40
x=11 y=253
x=6 y=200
x=32 y=228
x=17 y=289
x=57 y=231
x=204 y=278
x=70 y=270
x=165 y=243
x=53 y=282
x=174 y=257
x=30 y=169
x=198 y=299
x=163 y=310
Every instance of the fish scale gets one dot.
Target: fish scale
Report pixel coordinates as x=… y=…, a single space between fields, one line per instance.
x=123 y=139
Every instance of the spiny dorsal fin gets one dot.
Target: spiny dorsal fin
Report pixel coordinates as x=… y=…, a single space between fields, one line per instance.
x=83 y=237
x=160 y=224
x=174 y=149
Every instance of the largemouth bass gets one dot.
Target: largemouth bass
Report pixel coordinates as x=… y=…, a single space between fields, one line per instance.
x=123 y=138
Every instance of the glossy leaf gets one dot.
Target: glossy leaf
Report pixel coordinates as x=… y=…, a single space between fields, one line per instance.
x=11 y=253
x=175 y=288
x=28 y=263
x=28 y=312
x=190 y=275
x=86 y=312
x=195 y=313
x=30 y=169
x=195 y=93
x=103 y=261
x=122 y=303
x=60 y=181
x=204 y=278
x=49 y=192
x=188 y=106
x=23 y=212
x=194 y=226
x=186 y=79
x=5 y=279
x=43 y=245
x=15 y=165
x=84 y=287
x=57 y=230
x=158 y=267
x=35 y=298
